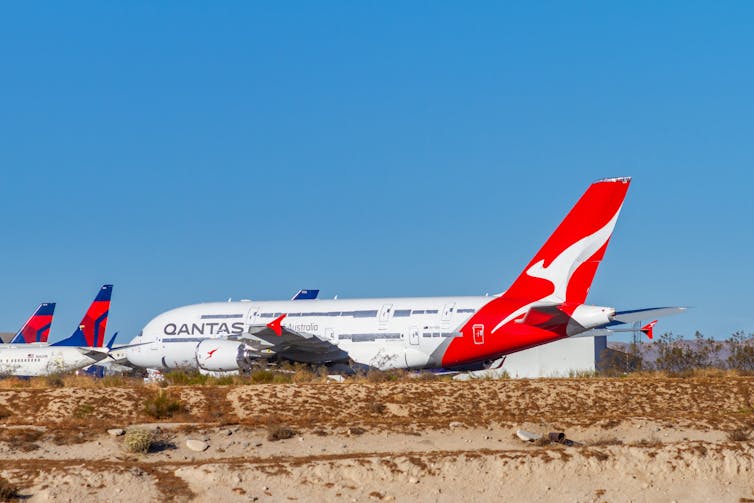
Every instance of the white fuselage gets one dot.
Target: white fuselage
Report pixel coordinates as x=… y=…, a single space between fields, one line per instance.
x=382 y=333
x=30 y=360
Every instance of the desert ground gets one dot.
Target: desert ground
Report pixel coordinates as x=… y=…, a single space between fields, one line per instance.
x=651 y=438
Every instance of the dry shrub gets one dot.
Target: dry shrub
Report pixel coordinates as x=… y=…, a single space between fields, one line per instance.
x=738 y=435
x=259 y=376
x=278 y=431
x=605 y=441
x=83 y=410
x=8 y=382
x=21 y=439
x=304 y=373
x=162 y=405
x=109 y=381
x=183 y=377
x=78 y=381
x=54 y=381
x=741 y=350
x=596 y=454
x=71 y=431
x=41 y=382
x=266 y=376
x=137 y=440
x=356 y=430
x=649 y=442
x=378 y=376
x=8 y=491
x=5 y=413
x=378 y=408
x=699 y=449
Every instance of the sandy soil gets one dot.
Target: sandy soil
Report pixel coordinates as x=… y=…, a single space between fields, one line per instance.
x=650 y=439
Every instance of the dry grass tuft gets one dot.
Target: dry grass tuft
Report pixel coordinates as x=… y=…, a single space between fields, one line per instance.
x=606 y=441
x=377 y=408
x=83 y=410
x=378 y=376
x=21 y=439
x=277 y=432
x=162 y=405
x=8 y=491
x=266 y=376
x=54 y=381
x=738 y=435
x=649 y=442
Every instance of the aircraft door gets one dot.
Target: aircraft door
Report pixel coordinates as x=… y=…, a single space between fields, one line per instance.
x=478 y=333
x=252 y=318
x=384 y=315
x=413 y=336
x=252 y=313
x=447 y=312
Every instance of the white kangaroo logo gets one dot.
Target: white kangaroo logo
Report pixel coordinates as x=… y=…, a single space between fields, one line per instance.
x=561 y=269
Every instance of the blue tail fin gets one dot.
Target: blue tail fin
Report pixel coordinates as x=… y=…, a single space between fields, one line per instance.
x=91 y=330
x=306 y=295
x=37 y=328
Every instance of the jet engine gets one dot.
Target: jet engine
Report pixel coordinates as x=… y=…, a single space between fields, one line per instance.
x=220 y=355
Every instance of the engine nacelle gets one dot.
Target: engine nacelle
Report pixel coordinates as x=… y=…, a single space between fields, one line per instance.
x=585 y=317
x=221 y=355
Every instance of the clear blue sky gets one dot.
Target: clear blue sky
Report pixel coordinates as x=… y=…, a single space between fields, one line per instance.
x=195 y=151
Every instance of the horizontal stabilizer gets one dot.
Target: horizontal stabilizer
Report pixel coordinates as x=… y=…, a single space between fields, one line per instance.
x=647 y=329
x=635 y=315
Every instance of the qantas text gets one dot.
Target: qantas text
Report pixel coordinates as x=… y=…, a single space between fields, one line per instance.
x=213 y=328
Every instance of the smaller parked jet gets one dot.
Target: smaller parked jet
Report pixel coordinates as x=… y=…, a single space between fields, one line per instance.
x=83 y=348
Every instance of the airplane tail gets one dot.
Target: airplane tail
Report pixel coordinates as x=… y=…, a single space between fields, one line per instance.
x=560 y=274
x=91 y=330
x=563 y=269
x=36 y=328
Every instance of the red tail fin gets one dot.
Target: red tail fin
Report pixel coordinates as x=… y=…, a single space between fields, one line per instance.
x=648 y=329
x=560 y=273
x=91 y=330
x=565 y=266
x=37 y=328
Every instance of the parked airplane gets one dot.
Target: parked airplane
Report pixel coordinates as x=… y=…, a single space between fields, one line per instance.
x=37 y=328
x=544 y=304
x=84 y=347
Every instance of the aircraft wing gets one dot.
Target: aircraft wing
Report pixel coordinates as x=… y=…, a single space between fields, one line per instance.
x=635 y=315
x=96 y=354
x=99 y=354
x=274 y=338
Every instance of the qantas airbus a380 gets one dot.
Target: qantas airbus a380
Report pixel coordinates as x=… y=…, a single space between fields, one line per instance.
x=544 y=304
